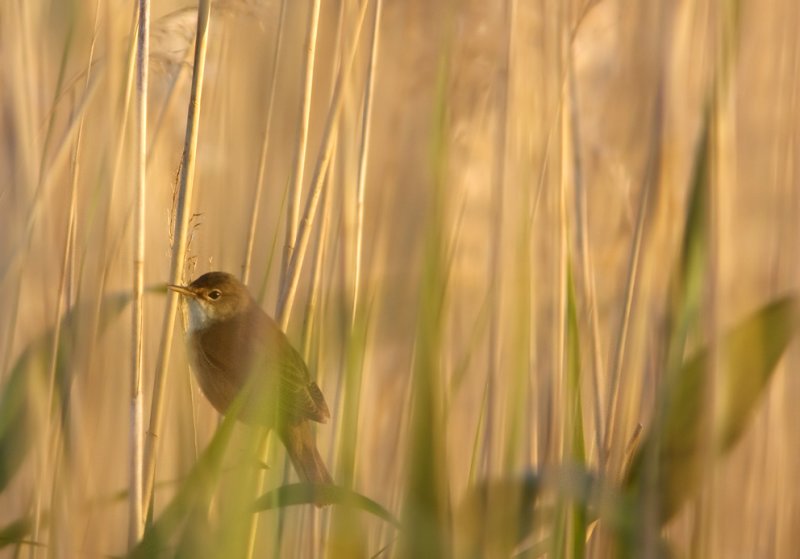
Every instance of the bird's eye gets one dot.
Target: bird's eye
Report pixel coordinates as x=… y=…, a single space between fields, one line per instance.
x=214 y=294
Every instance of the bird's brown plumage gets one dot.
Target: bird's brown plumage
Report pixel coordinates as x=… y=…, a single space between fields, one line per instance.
x=234 y=345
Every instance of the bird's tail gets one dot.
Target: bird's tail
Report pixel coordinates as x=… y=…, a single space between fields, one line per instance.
x=298 y=438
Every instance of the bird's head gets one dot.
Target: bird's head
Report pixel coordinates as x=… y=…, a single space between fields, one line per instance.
x=213 y=297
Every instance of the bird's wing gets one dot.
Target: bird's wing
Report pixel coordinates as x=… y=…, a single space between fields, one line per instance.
x=298 y=395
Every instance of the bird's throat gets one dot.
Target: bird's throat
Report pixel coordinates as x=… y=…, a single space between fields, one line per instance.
x=198 y=318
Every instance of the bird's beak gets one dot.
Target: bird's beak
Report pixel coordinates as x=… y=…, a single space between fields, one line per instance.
x=182 y=290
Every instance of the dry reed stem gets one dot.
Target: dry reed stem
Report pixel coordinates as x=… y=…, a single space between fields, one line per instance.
x=296 y=182
x=613 y=141
x=560 y=391
x=585 y=253
x=312 y=311
x=495 y=261
x=316 y=275
x=286 y=298
x=631 y=288
x=126 y=103
x=295 y=188
x=174 y=88
x=185 y=193
x=16 y=259
x=135 y=515
x=264 y=447
x=262 y=162
x=332 y=173
x=63 y=295
x=51 y=432
x=353 y=380
x=363 y=157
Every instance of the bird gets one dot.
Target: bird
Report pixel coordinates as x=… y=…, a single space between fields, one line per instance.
x=233 y=347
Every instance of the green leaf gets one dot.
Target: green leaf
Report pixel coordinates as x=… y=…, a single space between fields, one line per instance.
x=576 y=523
x=16 y=417
x=15 y=532
x=577 y=443
x=688 y=281
x=426 y=502
x=752 y=352
x=22 y=403
x=497 y=515
x=670 y=460
x=310 y=494
x=186 y=513
x=193 y=495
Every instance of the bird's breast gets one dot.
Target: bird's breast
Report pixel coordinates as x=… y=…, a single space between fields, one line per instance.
x=221 y=358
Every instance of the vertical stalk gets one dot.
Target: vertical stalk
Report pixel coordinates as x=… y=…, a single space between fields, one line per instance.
x=363 y=156
x=51 y=437
x=52 y=442
x=135 y=516
x=262 y=164
x=289 y=286
x=185 y=192
x=495 y=262
x=263 y=446
x=349 y=394
x=583 y=242
x=631 y=288
x=296 y=183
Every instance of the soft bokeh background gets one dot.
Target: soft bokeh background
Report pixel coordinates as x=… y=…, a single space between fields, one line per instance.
x=527 y=134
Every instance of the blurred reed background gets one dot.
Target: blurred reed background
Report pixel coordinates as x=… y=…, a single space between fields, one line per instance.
x=502 y=294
